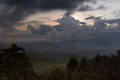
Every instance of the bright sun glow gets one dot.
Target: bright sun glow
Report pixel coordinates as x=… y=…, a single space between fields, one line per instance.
x=81 y=17
x=47 y=18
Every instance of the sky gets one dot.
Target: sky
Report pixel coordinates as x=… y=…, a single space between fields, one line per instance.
x=61 y=25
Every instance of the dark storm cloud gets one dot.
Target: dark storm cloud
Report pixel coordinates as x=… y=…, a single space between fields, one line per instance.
x=114 y=21
x=46 y=4
x=101 y=24
x=70 y=28
x=83 y=23
x=99 y=18
x=43 y=30
x=68 y=13
x=85 y=8
x=11 y=15
x=68 y=24
x=88 y=7
x=12 y=11
x=93 y=17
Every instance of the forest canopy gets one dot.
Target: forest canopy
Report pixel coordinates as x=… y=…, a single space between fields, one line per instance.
x=15 y=65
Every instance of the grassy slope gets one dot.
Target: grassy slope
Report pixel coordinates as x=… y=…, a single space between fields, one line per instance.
x=43 y=62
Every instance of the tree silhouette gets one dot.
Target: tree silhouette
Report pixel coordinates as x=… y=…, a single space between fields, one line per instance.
x=118 y=53
x=15 y=64
x=72 y=64
x=83 y=64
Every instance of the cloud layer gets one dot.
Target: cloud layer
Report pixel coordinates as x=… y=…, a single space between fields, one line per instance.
x=70 y=28
x=12 y=11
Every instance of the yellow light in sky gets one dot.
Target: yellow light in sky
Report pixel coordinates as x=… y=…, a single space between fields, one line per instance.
x=21 y=27
x=81 y=17
x=47 y=18
x=51 y=23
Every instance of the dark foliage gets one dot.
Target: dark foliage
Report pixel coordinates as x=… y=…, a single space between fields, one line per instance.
x=72 y=64
x=98 y=68
x=15 y=65
x=83 y=64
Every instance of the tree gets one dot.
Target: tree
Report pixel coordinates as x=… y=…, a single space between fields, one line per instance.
x=72 y=64
x=118 y=52
x=83 y=64
x=15 y=64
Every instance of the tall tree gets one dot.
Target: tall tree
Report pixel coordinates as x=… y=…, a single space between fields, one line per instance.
x=83 y=64
x=72 y=64
x=16 y=65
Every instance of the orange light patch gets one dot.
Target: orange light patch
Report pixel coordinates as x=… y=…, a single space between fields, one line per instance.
x=21 y=28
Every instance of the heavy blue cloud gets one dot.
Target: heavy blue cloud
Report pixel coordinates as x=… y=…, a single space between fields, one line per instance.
x=46 y=4
x=42 y=30
x=93 y=17
x=12 y=11
x=69 y=28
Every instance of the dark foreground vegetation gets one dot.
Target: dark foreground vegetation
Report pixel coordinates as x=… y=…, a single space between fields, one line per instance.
x=15 y=65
